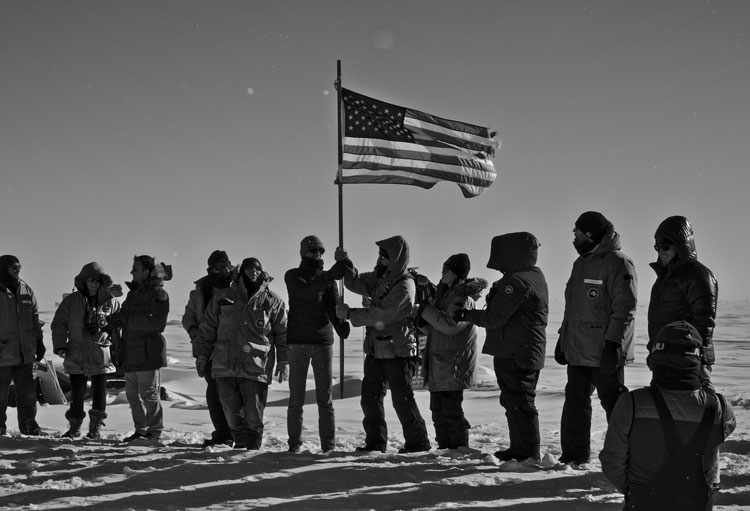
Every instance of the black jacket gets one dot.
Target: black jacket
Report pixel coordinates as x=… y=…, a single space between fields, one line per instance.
x=685 y=289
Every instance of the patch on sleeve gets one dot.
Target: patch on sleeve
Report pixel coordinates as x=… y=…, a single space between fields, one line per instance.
x=508 y=290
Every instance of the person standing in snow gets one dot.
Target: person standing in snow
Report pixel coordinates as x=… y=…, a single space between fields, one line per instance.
x=596 y=335
x=516 y=322
x=313 y=296
x=450 y=357
x=243 y=326
x=21 y=343
x=684 y=289
x=219 y=275
x=142 y=350
x=390 y=344
x=662 y=444
x=80 y=337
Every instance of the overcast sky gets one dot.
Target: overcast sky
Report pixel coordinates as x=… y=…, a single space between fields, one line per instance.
x=174 y=128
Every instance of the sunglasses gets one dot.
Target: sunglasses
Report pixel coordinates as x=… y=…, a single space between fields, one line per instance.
x=662 y=247
x=383 y=255
x=320 y=251
x=15 y=267
x=221 y=265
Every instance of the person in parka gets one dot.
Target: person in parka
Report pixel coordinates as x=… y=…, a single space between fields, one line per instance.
x=662 y=444
x=596 y=335
x=243 y=327
x=141 y=349
x=450 y=357
x=684 y=289
x=219 y=275
x=80 y=337
x=21 y=344
x=516 y=320
x=390 y=344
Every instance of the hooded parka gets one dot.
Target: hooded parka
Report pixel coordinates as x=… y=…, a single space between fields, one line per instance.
x=517 y=304
x=450 y=361
x=684 y=289
x=391 y=331
x=239 y=332
x=77 y=325
x=600 y=302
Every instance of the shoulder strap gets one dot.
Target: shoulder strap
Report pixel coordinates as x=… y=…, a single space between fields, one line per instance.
x=671 y=436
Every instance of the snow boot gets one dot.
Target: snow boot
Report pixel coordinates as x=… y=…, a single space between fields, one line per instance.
x=74 y=424
x=458 y=437
x=96 y=421
x=442 y=436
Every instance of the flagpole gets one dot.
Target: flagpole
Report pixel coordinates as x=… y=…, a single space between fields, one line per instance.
x=341 y=215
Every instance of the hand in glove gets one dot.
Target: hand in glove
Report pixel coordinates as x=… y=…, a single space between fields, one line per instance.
x=340 y=254
x=200 y=366
x=40 y=350
x=282 y=371
x=559 y=355
x=338 y=270
x=342 y=311
x=610 y=359
x=460 y=315
x=344 y=329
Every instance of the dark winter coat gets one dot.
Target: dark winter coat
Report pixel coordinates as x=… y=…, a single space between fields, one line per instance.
x=517 y=305
x=391 y=330
x=634 y=447
x=242 y=334
x=143 y=317
x=77 y=325
x=600 y=303
x=20 y=327
x=684 y=289
x=312 y=305
x=450 y=359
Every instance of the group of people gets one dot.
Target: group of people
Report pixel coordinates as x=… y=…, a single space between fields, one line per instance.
x=243 y=336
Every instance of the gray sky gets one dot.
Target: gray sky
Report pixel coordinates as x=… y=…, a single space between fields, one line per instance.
x=176 y=128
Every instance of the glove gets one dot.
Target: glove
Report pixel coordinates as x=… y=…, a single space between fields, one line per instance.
x=282 y=371
x=705 y=375
x=340 y=254
x=200 y=366
x=344 y=329
x=338 y=270
x=40 y=350
x=342 y=311
x=459 y=315
x=559 y=355
x=610 y=359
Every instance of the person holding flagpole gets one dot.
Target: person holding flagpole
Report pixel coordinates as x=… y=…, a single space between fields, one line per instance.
x=390 y=344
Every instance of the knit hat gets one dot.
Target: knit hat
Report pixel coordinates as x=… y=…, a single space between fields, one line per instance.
x=8 y=260
x=217 y=256
x=459 y=264
x=308 y=243
x=593 y=224
x=678 y=346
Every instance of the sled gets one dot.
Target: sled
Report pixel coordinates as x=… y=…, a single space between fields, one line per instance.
x=49 y=384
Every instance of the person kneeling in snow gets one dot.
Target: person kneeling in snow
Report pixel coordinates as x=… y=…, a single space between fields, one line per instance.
x=662 y=444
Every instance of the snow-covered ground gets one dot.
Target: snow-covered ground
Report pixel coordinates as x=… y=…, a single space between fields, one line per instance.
x=51 y=473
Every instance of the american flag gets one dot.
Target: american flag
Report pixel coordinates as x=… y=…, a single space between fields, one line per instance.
x=385 y=143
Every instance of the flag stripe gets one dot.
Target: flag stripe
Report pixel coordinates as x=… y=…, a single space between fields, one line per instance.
x=385 y=143
x=404 y=150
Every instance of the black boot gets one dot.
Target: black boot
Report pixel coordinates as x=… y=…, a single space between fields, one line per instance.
x=442 y=437
x=74 y=424
x=96 y=421
x=510 y=452
x=458 y=437
x=527 y=427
